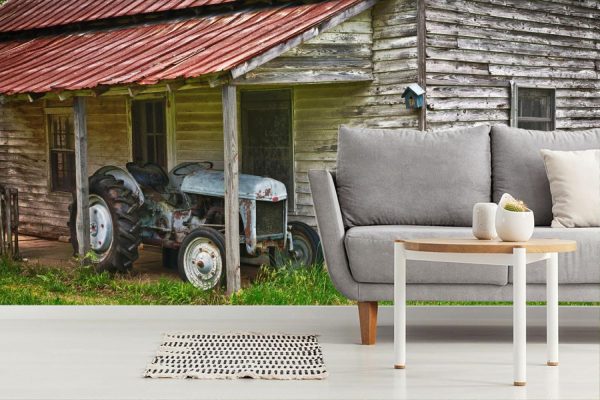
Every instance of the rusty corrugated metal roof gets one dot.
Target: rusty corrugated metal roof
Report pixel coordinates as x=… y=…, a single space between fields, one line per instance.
x=19 y=15
x=150 y=53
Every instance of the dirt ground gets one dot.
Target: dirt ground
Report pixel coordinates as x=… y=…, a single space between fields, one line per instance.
x=149 y=266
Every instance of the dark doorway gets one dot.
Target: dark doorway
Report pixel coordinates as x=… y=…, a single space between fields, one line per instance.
x=267 y=146
x=149 y=132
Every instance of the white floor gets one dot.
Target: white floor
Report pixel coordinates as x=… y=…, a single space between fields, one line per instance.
x=100 y=353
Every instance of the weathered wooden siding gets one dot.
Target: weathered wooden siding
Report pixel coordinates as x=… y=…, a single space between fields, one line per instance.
x=199 y=126
x=108 y=138
x=343 y=52
x=381 y=42
x=474 y=48
x=394 y=65
x=24 y=157
x=318 y=112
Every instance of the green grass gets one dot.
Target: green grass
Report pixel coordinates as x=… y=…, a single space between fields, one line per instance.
x=26 y=284
x=307 y=286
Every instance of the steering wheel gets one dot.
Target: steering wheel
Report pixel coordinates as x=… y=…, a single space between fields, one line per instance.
x=187 y=168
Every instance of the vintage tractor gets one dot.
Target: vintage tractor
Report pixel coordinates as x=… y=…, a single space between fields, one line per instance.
x=183 y=212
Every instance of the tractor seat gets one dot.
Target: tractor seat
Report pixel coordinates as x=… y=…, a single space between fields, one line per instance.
x=150 y=175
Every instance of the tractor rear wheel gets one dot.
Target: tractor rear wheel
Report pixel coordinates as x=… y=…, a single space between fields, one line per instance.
x=201 y=259
x=114 y=224
x=307 y=250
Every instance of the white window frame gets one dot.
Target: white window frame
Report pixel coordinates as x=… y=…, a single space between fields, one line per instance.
x=514 y=106
x=48 y=112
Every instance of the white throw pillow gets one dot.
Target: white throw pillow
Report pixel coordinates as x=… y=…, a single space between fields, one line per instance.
x=575 y=186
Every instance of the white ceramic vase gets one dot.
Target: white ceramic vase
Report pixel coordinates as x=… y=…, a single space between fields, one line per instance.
x=513 y=226
x=484 y=221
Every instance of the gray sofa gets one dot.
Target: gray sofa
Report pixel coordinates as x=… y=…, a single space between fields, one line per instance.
x=399 y=184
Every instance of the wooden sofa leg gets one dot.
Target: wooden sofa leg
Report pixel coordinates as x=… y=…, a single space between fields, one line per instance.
x=367 y=314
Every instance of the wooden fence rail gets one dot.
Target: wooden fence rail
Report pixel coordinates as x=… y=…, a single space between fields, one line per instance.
x=9 y=222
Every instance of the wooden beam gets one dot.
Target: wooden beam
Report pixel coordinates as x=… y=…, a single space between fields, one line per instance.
x=299 y=39
x=514 y=103
x=171 y=128
x=100 y=90
x=422 y=61
x=204 y=81
x=34 y=96
x=81 y=176
x=232 y=207
x=303 y=77
x=133 y=91
x=62 y=96
x=172 y=87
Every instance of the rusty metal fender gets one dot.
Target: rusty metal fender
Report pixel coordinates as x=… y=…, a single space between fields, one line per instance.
x=248 y=214
x=128 y=180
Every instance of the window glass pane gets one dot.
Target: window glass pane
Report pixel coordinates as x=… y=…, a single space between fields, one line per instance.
x=151 y=155
x=149 y=118
x=536 y=109
x=161 y=153
x=159 y=113
x=70 y=133
x=533 y=104
x=62 y=171
x=149 y=131
x=62 y=155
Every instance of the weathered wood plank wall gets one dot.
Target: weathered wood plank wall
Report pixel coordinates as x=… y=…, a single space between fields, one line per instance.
x=343 y=52
x=474 y=48
x=108 y=138
x=24 y=157
x=199 y=126
x=23 y=165
x=394 y=65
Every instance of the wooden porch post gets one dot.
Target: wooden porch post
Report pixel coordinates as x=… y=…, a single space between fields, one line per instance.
x=81 y=175
x=422 y=61
x=232 y=207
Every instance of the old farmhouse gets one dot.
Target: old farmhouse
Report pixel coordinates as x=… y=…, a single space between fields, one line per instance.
x=163 y=81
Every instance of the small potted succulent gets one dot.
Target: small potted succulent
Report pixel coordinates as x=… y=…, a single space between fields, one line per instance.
x=514 y=221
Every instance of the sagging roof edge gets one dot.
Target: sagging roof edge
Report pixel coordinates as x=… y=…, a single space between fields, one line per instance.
x=208 y=80
x=132 y=90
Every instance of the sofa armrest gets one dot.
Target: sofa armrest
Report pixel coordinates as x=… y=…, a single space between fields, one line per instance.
x=331 y=229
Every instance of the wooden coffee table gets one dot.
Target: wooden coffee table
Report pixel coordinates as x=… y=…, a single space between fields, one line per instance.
x=489 y=252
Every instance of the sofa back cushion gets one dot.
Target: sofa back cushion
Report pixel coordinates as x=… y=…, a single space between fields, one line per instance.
x=406 y=177
x=518 y=167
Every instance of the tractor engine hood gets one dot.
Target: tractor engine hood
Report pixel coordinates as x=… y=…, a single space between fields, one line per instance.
x=252 y=187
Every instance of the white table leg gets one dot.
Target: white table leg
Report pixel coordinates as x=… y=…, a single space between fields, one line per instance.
x=519 y=316
x=399 y=306
x=552 y=309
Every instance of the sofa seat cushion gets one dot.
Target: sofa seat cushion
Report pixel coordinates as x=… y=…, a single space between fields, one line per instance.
x=581 y=266
x=405 y=177
x=370 y=251
x=518 y=167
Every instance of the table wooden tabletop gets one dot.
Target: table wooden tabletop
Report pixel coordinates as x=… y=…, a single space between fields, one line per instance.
x=447 y=245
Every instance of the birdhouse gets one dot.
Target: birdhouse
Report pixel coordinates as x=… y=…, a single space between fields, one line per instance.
x=414 y=96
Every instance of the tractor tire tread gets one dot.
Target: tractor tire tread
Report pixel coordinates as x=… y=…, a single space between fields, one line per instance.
x=124 y=208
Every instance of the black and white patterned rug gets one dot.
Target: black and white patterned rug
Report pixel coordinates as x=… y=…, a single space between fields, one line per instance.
x=238 y=355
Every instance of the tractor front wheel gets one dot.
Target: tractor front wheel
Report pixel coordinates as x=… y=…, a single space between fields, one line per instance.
x=201 y=259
